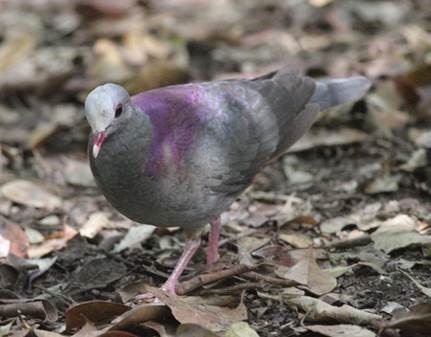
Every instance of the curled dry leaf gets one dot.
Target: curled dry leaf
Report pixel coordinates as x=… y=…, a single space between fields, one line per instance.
x=318 y=310
x=94 y=311
x=341 y=330
x=211 y=317
x=29 y=194
x=308 y=273
x=140 y=314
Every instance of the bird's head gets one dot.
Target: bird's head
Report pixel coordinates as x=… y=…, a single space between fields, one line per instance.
x=106 y=108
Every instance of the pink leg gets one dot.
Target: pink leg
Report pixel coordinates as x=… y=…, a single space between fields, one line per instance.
x=213 y=238
x=189 y=250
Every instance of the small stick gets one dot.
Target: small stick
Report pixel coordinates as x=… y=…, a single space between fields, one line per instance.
x=362 y=240
x=233 y=289
x=200 y=280
x=269 y=279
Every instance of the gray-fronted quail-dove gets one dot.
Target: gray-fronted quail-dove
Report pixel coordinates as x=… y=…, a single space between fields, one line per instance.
x=180 y=155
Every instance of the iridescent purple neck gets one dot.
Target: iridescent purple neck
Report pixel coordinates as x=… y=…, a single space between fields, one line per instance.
x=176 y=118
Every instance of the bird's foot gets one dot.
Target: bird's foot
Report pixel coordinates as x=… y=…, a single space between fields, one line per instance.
x=212 y=256
x=145 y=297
x=213 y=241
x=170 y=288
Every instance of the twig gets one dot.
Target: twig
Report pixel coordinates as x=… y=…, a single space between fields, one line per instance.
x=269 y=279
x=233 y=289
x=362 y=240
x=200 y=280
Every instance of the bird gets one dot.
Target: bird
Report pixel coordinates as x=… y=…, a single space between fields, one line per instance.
x=180 y=155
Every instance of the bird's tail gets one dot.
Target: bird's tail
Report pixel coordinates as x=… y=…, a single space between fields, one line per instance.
x=333 y=92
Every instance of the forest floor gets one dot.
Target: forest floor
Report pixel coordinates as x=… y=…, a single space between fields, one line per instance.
x=333 y=239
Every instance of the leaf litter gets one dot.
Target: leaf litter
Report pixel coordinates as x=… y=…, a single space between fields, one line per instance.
x=355 y=188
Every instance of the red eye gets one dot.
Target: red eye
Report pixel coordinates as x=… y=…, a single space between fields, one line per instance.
x=118 y=110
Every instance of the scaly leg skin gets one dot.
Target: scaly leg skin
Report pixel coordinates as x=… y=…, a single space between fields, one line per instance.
x=189 y=250
x=213 y=238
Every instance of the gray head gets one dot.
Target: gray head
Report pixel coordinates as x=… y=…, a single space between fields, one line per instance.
x=105 y=107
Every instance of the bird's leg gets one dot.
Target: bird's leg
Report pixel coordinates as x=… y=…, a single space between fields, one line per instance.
x=189 y=250
x=213 y=238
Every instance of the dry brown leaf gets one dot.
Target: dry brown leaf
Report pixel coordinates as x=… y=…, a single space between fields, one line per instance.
x=12 y=239
x=364 y=218
x=398 y=232
x=27 y=193
x=240 y=329
x=41 y=309
x=44 y=333
x=296 y=240
x=140 y=314
x=323 y=137
x=317 y=310
x=341 y=330
x=95 y=312
x=308 y=273
x=52 y=244
x=193 y=330
x=211 y=317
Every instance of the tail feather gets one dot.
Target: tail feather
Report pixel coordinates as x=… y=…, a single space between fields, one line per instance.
x=333 y=92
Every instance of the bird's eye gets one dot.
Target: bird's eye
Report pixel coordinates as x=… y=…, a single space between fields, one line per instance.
x=118 y=110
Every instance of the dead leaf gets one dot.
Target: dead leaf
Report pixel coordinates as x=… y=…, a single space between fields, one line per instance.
x=139 y=314
x=383 y=184
x=135 y=236
x=78 y=173
x=42 y=309
x=296 y=240
x=341 y=330
x=27 y=193
x=317 y=310
x=398 y=232
x=308 y=273
x=12 y=239
x=364 y=219
x=413 y=322
x=96 y=312
x=324 y=137
x=212 y=317
x=34 y=236
x=95 y=223
x=52 y=244
x=425 y=290
x=240 y=329
x=43 y=333
x=391 y=307
x=417 y=159
x=193 y=330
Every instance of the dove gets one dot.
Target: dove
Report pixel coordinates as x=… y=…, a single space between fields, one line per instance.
x=181 y=154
